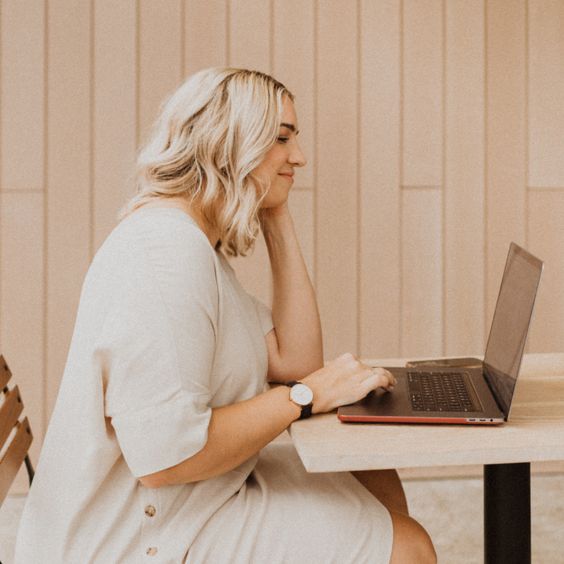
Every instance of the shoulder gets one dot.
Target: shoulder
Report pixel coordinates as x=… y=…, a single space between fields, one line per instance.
x=162 y=246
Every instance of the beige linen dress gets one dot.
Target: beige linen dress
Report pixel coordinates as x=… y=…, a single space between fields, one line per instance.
x=164 y=333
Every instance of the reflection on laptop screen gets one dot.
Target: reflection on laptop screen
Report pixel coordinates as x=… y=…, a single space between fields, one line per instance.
x=510 y=323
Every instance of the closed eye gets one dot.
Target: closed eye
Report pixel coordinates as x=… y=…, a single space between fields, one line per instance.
x=283 y=139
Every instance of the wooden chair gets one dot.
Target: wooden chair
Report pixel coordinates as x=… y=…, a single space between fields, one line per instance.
x=15 y=435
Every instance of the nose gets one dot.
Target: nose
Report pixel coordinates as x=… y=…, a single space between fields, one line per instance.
x=297 y=158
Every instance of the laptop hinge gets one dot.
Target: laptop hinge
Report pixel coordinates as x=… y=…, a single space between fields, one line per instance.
x=493 y=391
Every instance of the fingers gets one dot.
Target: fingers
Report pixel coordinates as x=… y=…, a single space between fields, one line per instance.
x=381 y=378
x=378 y=377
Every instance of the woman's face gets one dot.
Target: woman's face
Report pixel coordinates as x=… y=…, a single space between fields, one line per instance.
x=278 y=164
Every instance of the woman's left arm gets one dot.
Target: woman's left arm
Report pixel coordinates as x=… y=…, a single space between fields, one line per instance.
x=295 y=346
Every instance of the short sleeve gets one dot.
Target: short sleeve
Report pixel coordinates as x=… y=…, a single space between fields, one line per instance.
x=158 y=345
x=264 y=314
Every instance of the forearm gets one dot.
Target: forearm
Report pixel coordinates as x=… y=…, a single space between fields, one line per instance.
x=294 y=309
x=235 y=433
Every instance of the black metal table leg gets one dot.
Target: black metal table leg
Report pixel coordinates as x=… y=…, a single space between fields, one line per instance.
x=507 y=513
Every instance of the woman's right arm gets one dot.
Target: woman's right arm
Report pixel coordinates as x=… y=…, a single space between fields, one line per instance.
x=238 y=431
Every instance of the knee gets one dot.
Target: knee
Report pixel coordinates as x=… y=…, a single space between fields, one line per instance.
x=411 y=542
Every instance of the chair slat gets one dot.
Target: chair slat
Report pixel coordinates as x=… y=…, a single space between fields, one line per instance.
x=9 y=413
x=12 y=459
x=5 y=373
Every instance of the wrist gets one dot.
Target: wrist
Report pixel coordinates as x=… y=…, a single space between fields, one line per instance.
x=302 y=396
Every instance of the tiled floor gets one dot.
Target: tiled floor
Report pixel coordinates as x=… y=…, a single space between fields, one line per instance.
x=451 y=510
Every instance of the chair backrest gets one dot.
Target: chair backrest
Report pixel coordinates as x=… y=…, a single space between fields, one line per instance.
x=15 y=435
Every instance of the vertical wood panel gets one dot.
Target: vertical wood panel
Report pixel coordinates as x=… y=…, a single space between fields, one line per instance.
x=68 y=178
x=422 y=92
x=249 y=34
x=337 y=136
x=464 y=179
x=301 y=208
x=249 y=47
x=160 y=57
x=21 y=301
x=422 y=274
x=293 y=64
x=379 y=179
x=22 y=95
x=546 y=90
x=115 y=115
x=206 y=34
x=506 y=138
x=546 y=240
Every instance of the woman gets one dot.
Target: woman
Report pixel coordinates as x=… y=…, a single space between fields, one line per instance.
x=153 y=448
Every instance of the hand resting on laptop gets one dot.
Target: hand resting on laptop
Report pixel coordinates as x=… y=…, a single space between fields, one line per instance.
x=345 y=380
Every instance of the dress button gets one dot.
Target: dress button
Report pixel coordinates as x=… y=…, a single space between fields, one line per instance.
x=150 y=510
x=152 y=550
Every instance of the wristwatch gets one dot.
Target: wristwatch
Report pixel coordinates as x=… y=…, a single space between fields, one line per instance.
x=301 y=395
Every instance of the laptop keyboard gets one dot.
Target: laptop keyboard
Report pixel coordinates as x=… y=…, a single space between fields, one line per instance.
x=439 y=391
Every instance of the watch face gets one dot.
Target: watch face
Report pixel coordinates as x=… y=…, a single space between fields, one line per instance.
x=301 y=394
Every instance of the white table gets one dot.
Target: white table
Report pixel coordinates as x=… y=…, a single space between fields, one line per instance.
x=534 y=432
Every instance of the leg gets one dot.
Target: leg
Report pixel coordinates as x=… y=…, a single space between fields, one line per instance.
x=507 y=513
x=411 y=542
x=386 y=487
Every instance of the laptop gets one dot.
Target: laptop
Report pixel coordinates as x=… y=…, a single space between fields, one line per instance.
x=479 y=392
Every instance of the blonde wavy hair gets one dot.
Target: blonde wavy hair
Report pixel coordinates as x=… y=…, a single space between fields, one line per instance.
x=211 y=133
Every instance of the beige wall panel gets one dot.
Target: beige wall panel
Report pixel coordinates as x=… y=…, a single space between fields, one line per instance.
x=68 y=178
x=21 y=302
x=250 y=47
x=22 y=95
x=250 y=34
x=506 y=138
x=422 y=286
x=464 y=242
x=205 y=34
x=301 y=204
x=293 y=64
x=337 y=176
x=546 y=240
x=546 y=91
x=160 y=57
x=422 y=92
x=379 y=180
x=114 y=111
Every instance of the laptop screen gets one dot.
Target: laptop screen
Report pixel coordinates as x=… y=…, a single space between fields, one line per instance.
x=510 y=324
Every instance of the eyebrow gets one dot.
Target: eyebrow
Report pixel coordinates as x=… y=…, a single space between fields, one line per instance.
x=291 y=127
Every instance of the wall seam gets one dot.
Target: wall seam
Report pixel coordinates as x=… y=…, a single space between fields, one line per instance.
x=401 y=78
x=486 y=176
x=182 y=41
x=92 y=117
x=137 y=86
x=1 y=178
x=227 y=32
x=271 y=38
x=358 y=178
x=527 y=201
x=315 y=139
x=444 y=103
x=45 y=212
